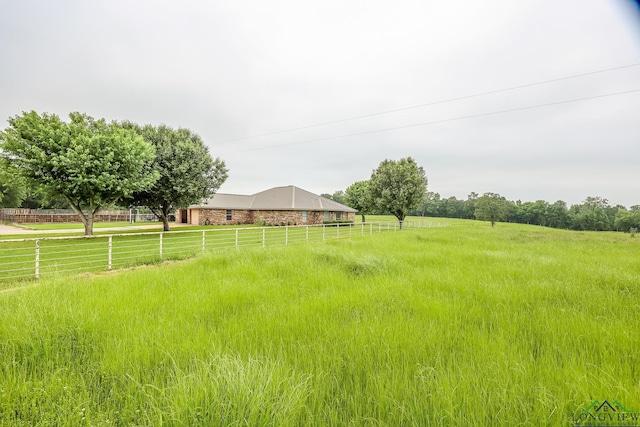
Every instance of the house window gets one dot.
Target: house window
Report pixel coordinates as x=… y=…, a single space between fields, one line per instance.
x=338 y=216
x=327 y=216
x=304 y=216
x=229 y=214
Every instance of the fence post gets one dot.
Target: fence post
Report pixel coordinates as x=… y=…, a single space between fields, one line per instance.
x=204 y=242
x=160 y=245
x=236 y=238
x=371 y=229
x=286 y=235
x=263 y=237
x=306 y=234
x=110 y=252
x=37 y=258
x=338 y=230
x=323 y=229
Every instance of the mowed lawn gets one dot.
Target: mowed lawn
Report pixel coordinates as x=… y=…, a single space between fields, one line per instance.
x=464 y=326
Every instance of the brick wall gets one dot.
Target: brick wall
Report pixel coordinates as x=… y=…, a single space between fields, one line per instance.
x=239 y=217
x=219 y=217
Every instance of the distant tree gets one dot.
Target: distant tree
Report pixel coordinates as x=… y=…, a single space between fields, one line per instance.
x=557 y=215
x=591 y=215
x=187 y=173
x=455 y=208
x=470 y=205
x=12 y=187
x=358 y=197
x=535 y=212
x=398 y=187
x=627 y=219
x=431 y=204
x=91 y=163
x=491 y=207
x=35 y=198
x=338 y=196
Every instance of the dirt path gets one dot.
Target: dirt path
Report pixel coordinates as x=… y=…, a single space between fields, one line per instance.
x=8 y=229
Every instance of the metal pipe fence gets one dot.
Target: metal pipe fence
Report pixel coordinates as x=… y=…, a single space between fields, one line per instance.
x=28 y=259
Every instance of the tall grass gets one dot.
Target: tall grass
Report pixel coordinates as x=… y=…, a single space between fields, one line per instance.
x=465 y=325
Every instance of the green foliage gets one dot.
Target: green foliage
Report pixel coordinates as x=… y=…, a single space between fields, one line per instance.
x=491 y=207
x=91 y=163
x=35 y=198
x=338 y=196
x=557 y=215
x=12 y=187
x=338 y=221
x=358 y=197
x=626 y=220
x=187 y=173
x=451 y=207
x=592 y=215
x=398 y=187
x=453 y=326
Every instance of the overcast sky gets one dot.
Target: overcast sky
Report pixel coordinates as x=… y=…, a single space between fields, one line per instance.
x=235 y=69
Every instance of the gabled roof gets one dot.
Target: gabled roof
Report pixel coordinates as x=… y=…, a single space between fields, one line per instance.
x=289 y=198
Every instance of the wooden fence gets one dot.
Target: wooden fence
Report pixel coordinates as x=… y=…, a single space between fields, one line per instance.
x=35 y=216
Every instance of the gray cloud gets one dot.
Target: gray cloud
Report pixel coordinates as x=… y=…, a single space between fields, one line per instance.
x=229 y=70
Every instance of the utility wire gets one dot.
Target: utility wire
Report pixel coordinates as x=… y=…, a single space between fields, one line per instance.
x=492 y=113
x=443 y=101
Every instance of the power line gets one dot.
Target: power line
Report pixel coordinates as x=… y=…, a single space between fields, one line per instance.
x=492 y=113
x=443 y=101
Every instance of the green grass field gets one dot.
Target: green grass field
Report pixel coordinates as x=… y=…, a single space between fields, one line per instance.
x=464 y=325
x=24 y=260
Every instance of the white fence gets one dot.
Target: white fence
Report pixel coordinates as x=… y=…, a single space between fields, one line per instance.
x=27 y=259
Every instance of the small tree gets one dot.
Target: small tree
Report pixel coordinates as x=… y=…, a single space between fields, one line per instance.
x=398 y=187
x=358 y=197
x=491 y=207
x=91 y=163
x=187 y=173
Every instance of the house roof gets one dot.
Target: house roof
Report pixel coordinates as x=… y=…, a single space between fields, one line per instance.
x=289 y=198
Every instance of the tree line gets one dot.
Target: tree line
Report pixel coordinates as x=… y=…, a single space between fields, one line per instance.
x=593 y=214
x=399 y=188
x=90 y=164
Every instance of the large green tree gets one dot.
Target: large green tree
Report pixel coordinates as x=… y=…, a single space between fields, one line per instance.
x=398 y=187
x=358 y=197
x=91 y=163
x=187 y=172
x=491 y=207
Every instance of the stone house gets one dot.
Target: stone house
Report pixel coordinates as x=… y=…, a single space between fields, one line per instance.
x=288 y=205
